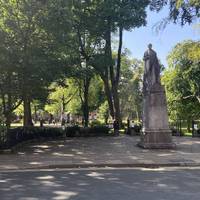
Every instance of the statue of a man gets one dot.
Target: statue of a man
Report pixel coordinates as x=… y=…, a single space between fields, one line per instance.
x=151 y=69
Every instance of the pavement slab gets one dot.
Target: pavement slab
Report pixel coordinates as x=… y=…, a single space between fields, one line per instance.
x=101 y=184
x=119 y=151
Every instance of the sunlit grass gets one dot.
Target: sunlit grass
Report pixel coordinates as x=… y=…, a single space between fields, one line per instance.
x=15 y=125
x=188 y=134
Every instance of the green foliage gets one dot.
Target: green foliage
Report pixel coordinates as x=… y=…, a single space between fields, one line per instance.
x=182 y=81
x=72 y=101
x=66 y=94
x=57 y=55
x=95 y=22
x=2 y=123
x=186 y=59
x=21 y=134
x=96 y=93
x=183 y=11
x=30 y=49
x=103 y=112
x=131 y=88
x=88 y=132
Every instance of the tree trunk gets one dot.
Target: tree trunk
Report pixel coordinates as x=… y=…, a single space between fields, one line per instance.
x=115 y=77
x=8 y=104
x=85 y=104
x=117 y=105
x=8 y=113
x=27 y=112
x=109 y=68
x=137 y=115
x=188 y=125
x=119 y=56
x=8 y=116
x=109 y=96
x=63 y=104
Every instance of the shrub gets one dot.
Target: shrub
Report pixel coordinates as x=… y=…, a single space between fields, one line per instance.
x=175 y=132
x=76 y=131
x=137 y=128
x=21 y=134
x=134 y=130
x=99 y=130
x=95 y=123
x=72 y=131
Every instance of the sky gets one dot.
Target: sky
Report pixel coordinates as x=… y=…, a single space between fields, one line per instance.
x=163 y=42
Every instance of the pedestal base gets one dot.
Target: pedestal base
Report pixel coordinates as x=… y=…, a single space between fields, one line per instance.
x=156 y=139
x=156 y=132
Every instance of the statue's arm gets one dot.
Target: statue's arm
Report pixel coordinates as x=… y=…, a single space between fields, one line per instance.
x=146 y=56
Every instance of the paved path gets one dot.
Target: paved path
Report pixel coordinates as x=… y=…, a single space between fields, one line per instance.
x=101 y=184
x=103 y=151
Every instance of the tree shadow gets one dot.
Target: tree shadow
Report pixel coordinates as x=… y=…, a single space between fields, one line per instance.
x=96 y=184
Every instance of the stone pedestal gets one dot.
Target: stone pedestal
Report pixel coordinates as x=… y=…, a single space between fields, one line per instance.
x=156 y=133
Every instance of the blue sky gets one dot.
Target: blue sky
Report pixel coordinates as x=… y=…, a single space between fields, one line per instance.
x=137 y=40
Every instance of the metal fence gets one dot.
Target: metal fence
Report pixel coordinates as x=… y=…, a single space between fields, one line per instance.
x=195 y=128
x=179 y=127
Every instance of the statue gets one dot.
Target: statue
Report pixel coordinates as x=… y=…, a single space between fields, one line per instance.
x=151 y=69
x=155 y=131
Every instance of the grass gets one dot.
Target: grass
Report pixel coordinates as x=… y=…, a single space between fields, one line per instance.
x=15 y=125
x=189 y=134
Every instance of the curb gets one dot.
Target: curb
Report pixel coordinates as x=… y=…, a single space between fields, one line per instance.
x=102 y=165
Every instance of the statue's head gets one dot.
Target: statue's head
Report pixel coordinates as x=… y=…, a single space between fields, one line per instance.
x=150 y=46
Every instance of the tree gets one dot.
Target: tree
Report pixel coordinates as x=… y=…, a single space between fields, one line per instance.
x=61 y=96
x=123 y=16
x=83 y=81
x=185 y=57
x=100 y=19
x=131 y=88
x=69 y=97
x=103 y=112
x=10 y=98
x=182 y=81
x=36 y=62
x=180 y=11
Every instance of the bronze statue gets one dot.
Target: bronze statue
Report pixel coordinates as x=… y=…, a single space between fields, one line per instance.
x=151 y=69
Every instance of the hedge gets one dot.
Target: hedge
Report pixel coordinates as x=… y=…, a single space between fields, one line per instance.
x=20 y=134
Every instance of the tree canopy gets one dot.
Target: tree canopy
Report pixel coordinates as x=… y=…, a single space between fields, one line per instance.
x=182 y=80
x=68 y=56
x=180 y=11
